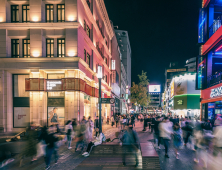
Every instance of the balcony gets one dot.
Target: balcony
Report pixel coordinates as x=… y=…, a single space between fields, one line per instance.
x=215 y=26
x=213 y=80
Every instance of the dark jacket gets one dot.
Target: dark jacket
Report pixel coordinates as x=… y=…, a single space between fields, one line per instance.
x=50 y=140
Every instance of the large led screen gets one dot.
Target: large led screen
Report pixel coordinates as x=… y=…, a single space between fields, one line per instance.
x=154 y=88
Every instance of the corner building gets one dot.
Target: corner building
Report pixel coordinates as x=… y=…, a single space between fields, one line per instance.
x=209 y=62
x=49 y=55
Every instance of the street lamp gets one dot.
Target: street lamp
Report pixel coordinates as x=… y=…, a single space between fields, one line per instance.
x=100 y=76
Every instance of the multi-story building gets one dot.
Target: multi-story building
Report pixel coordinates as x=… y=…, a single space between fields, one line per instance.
x=124 y=91
x=209 y=62
x=125 y=49
x=49 y=55
x=155 y=98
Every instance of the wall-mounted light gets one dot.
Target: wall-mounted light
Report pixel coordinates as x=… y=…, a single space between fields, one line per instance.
x=35 y=19
x=100 y=72
x=71 y=54
x=34 y=70
x=1 y=19
x=36 y=54
x=71 y=18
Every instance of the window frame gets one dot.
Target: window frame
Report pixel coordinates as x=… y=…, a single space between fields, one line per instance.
x=28 y=46
x=62 y=55
x=27 y=13
x=60 y=9
x=15 y=13
x=14 y=56
x=51 y=20
x=51 y=43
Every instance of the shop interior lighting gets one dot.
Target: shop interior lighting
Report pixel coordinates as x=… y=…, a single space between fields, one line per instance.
x=218 y=53
x=217 y=63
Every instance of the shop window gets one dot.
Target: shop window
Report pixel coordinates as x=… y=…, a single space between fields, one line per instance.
x=61 y=13
x=56 y=115
x=49 y=13
x=19 y=86
x=61 y=47
x=26 y=48
x=25 y=13
x=15 y=48
x=14 y=13
x=50 y=47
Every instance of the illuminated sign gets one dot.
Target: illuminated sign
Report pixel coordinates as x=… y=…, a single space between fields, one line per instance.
x=53 y=85
x=180 y=102
x=113 y=65
x=216 y=92
x=154 y=88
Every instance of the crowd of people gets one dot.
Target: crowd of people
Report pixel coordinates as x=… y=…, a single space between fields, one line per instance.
x=201 y=136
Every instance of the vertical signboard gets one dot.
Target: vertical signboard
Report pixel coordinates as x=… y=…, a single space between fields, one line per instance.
x=202 y=26
x=113 y=65
x=201 y=72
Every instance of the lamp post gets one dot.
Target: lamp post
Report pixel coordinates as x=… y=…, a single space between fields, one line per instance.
x=100 y=76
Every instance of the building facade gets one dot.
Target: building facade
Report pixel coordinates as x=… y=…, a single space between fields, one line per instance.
x=209 y=61
x=49 y=55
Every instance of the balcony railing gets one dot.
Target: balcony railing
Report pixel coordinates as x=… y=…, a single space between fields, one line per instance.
x=213 y=80
x=215 y=26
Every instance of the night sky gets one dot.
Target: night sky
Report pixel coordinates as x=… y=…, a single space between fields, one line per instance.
x=160 y=32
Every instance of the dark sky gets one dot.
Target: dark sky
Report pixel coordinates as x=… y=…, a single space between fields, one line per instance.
x=160 y=32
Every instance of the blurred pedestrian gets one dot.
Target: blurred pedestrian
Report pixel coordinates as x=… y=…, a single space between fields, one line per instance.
x=112 y=121
x=177 y=138
x=156 y=134
x=107 y=120
x=69 y=129
x=165 y=128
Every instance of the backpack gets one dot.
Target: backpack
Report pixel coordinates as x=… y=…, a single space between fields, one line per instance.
x=104 y=138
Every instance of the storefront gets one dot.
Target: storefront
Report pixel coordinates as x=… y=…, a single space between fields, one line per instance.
x=211 y=102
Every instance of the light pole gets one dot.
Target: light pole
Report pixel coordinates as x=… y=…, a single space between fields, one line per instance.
x=100 y=76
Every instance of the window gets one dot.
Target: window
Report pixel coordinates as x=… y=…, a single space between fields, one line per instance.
x=15 y=48
x=87 y=29
x=105 y=59
x=105 y=79
x=49 y=47
x=61 y=47
x=49 y=13
x=19 y=86
x=25 y=13
x=61 y=13
x=26 y=48
x=88 y=3
x=14 y=13
x=86 y=57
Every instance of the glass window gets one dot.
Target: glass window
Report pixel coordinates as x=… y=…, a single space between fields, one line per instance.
x=84 y=55
x=19 y=86
x=15 y=48
x=88 y=31
x=61 y=47
x=49 y=13
x=61 y=13
x=14 y=13
x=26 y=48
x=25 y=13
x=50 y=47
x=88 y=59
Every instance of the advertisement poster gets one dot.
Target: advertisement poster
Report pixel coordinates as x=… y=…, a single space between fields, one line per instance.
x=21 y=116
x=56 y=115
x=154 y=88
x=180 y=85
x=172 y=89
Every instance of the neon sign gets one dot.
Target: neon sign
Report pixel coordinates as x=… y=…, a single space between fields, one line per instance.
x=216 y=92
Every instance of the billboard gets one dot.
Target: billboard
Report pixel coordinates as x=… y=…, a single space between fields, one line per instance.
x=154 y=89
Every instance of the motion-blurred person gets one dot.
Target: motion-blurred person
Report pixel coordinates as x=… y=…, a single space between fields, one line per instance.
x=133 y=120
x=177 y=138
x=83 y=121
x=30 y=149
x=165 y=128
x=69 y=129
x=117 y=120
x=74 y=124
x=156 y=134
x=130 y=142
x=90 y=127
x=51 y=140
x=98 y=140
x=145 y=123
x=187 y=132
x=218 y=140
x=112 y=121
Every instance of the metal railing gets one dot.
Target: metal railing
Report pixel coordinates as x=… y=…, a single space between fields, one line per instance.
x=215 y=26
x=215 y=79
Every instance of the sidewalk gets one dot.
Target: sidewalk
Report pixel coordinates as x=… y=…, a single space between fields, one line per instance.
x=68 y=159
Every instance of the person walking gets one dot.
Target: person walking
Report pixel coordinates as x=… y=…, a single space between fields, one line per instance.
x=165 y=128
x=130 y=142
x=69 y=129
x=177 y=138
x=156 y=134
x=117 y=120
x=112 y=121
x=107 y=120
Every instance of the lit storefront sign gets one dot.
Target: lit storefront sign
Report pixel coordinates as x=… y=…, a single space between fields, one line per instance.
x=113 y=65
x=180 y=102
x=53 y=85
x=114 y=76
x=216 y=92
